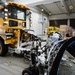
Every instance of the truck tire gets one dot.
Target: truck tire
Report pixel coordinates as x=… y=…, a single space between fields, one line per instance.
x=31 y=70
x=65 y=46
x=3 y=48
x=26 y=72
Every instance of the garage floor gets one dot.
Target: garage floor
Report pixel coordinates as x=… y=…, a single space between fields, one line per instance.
x=67 y=69
x=13 y=65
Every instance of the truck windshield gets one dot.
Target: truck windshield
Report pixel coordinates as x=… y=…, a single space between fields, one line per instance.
x=16 y=13
x=1 y=11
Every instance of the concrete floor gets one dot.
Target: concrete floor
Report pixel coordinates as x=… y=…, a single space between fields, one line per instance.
x=67 y=68
x=13 y=65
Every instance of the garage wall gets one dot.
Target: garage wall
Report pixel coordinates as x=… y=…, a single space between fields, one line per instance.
x=63 y=16
x=36 y=26
x=4 y=0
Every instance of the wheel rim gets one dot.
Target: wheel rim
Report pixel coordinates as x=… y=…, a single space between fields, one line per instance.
x=26 y=74
x=0 y=48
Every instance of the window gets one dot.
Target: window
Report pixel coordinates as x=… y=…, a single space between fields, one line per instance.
x=2 y=13
x=16 y=13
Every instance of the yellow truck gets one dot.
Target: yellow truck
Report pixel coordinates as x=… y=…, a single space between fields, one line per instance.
x=13 y=35
x=51 y=29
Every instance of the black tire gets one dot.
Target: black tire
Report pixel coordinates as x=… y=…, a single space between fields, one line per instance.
x=3 y=48
x=31 y=70
x=26 y=72
x=56 y=63
x=35 y=71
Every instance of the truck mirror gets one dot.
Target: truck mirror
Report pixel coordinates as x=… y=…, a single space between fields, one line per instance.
x=28 y=13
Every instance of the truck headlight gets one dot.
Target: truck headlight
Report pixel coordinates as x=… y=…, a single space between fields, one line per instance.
x=24 y=24
x=5 y=23
x=6 y=10
x=6 y=14
x=6 y=17
x=8 y=37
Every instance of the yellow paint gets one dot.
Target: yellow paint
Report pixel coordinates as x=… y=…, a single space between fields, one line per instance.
x=4 y=26
x=52 y=29
x=11 y=41
x=18 y=5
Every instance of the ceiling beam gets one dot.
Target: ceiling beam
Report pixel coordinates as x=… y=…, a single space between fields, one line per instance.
x=41 y=2
x=38 y=10
x=64 y=6
x=45 y=9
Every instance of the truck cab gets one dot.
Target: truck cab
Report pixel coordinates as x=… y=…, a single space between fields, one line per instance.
x=51 y=29
x=12 y=25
